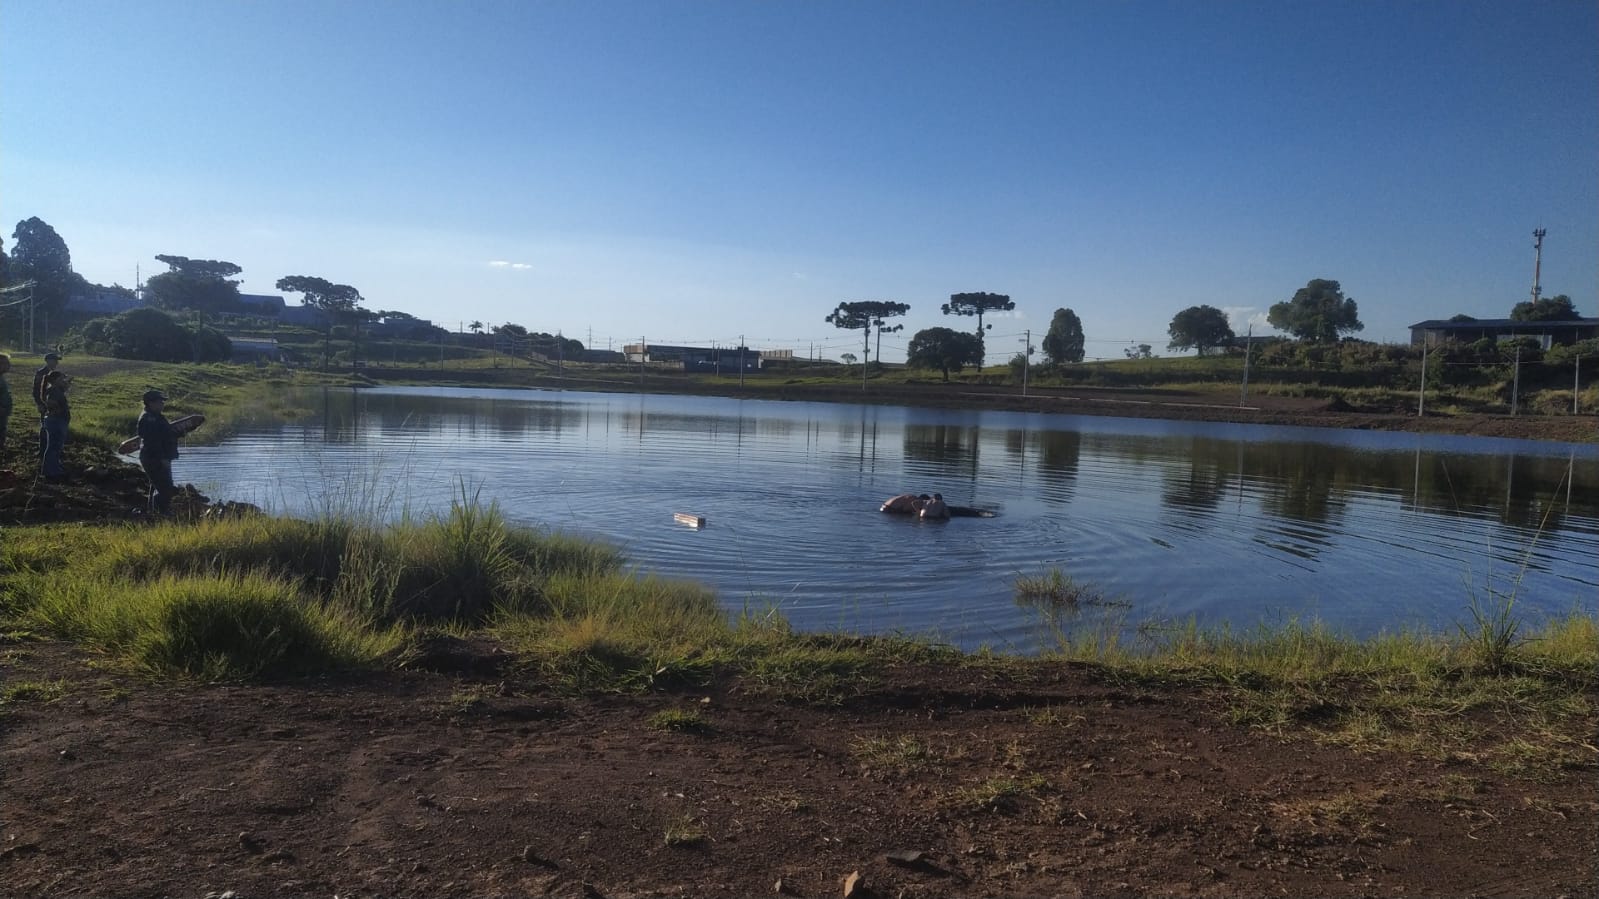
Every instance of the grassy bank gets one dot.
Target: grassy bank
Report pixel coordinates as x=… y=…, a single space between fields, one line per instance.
x=106 y=395
x=262 y=597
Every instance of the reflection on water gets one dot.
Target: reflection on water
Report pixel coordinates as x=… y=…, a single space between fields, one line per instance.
x=1221 y=522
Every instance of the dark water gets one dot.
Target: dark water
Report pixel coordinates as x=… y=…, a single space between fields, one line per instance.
x=1225 y=523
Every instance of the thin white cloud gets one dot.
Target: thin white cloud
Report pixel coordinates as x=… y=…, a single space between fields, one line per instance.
x=1242 y=317
x=501 y=263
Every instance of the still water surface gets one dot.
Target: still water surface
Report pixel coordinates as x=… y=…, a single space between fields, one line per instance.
x=1224 y=523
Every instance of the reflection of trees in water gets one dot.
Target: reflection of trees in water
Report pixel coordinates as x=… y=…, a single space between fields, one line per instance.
x=1312 y=481
x=1059 y=454
x=341 y=416
x=1299 y=479
x=508 y=418
x=1055 y=454
x=1200 y=485
x=943 y=444
x=1525 y=491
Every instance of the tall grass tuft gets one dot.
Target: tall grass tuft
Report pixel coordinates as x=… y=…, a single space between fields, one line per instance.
x=618 y=631
x=217 y=626
x=1495 y=631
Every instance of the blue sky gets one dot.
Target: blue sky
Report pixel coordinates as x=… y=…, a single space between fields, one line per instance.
x=691 y=172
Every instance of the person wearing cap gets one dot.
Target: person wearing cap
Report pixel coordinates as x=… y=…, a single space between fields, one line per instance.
x=51 y=360
x=934 y=508
x=159 y=448
x=57 y=416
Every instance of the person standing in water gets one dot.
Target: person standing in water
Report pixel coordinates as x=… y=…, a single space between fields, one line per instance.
x=934 y=508
x=904 y=504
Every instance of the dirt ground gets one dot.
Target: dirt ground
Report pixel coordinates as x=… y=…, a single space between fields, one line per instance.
x=949 y=782
x=463 y=777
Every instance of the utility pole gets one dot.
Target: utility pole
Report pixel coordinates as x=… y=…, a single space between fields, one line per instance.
x=1421 y=402
x=1027 y=355
x=1249 y=339
x=643 y=349
x=1576 y=382
x=1515 y=382
x=741 y=361
x=1537 y=260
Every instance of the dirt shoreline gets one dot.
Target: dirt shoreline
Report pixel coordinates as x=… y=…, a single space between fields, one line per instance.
x=482 y=783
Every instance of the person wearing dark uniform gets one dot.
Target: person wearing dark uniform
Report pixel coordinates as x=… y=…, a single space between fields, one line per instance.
x=51 y=360
x=57 y=416
x=158 y=449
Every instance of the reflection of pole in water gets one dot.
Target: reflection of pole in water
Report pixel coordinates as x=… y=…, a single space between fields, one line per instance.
x=1415 y=491
x=1240 y=445
x=1021 y=475
x=873 y=454
x=1510 y=479
x=1571 y=475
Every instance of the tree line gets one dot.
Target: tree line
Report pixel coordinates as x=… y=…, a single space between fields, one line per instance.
x=202 y=289
x=1318 y=313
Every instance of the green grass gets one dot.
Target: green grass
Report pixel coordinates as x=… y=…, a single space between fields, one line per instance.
x=32 y=691
x=684 y=832
x=1000 y=794
x=105 y=394
x=679 y=721
x=892 y=756
x=1521 y=707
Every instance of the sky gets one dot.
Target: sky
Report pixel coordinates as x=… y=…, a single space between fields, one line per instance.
x=710 y=171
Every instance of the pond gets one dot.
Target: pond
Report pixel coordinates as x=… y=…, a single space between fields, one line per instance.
x=1163 y=521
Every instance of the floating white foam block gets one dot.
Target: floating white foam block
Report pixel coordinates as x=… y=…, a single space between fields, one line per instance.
x=693 y=521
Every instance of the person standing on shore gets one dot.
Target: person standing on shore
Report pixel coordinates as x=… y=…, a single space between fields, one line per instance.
x=51 y=360
x=158 y=448
x=57 y=415
x=5 y=400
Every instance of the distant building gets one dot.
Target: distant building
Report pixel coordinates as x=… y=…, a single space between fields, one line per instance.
x=401 y=326
x=1548 y=334
x=262 y=304
x=308 y=316
x=251 y=349
x=97 y=300
x=696 y=358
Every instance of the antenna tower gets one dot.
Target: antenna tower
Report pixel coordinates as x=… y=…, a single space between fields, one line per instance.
x=1537 y=260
